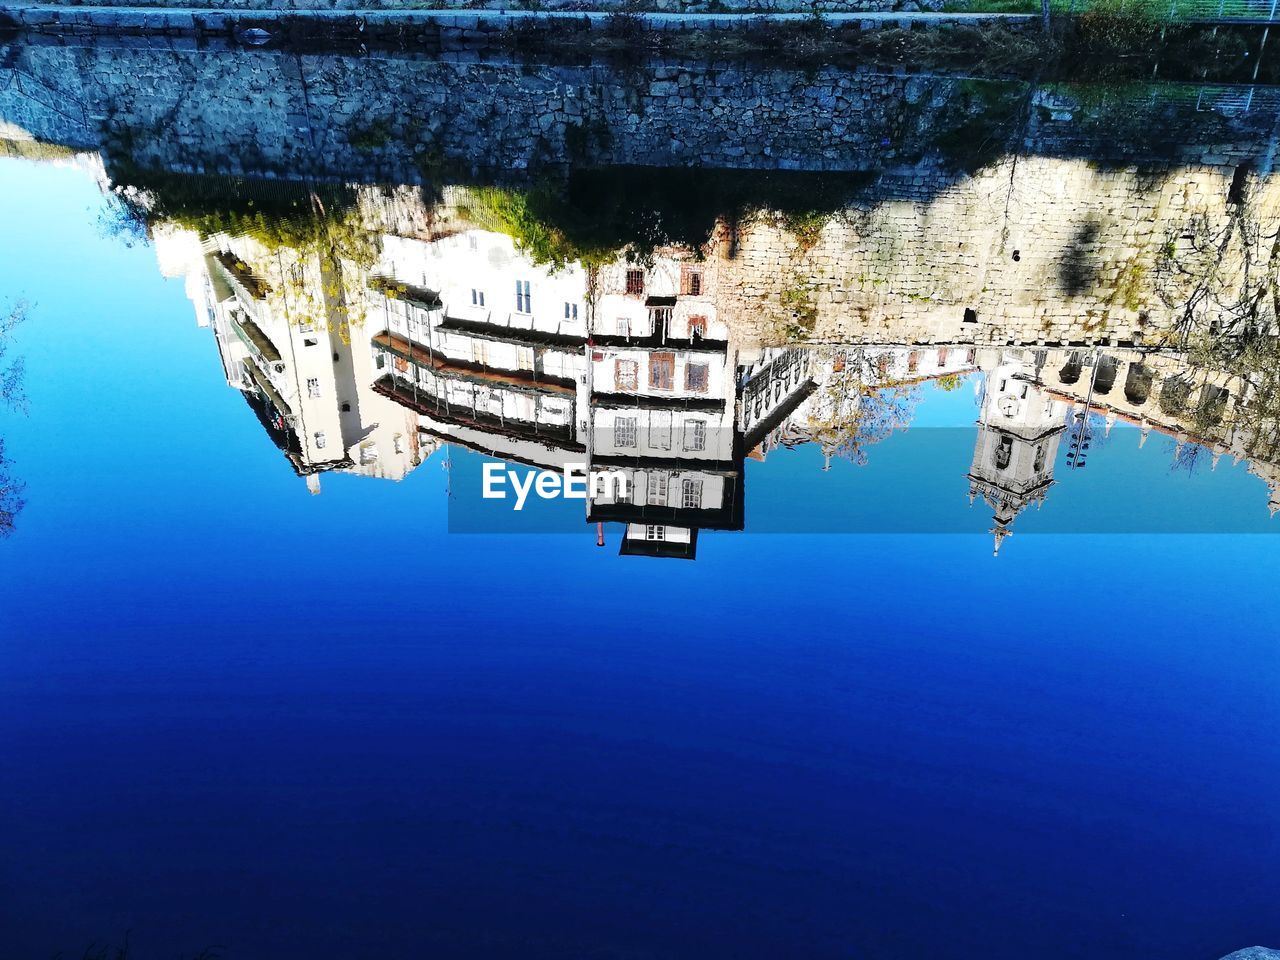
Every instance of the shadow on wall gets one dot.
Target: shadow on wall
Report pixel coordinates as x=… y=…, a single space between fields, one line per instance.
x=1078 y=272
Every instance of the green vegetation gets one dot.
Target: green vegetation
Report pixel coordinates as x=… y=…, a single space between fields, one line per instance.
x=800 y=311
x=991 y=6
x=34 y=150
x=370 y=136
x=597 y=215
x=547 y=229
x=806 y=226
x=278 y=214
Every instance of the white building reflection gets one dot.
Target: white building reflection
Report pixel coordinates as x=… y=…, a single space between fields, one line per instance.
x=460 y=338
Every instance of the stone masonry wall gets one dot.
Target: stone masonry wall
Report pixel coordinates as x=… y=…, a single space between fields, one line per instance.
x=405 y=119
x=1040 y=250
x=1102 y=222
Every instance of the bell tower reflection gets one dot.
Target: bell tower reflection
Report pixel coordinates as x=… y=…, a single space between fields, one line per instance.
x=1019 y=429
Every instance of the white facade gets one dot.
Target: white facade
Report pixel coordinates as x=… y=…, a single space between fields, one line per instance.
x=293 y=363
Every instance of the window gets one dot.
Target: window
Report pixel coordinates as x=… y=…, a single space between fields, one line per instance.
x=662 y=369
x=695 y=435
x=380 y=361
x=477 y=297
x=524 y=358
x=690 y=281
x=655 y=533
x=346 y=408
x=570 y=311
x=624 y=432
x=321 y=440
x=401 y=364
x=624 y=327
x=913 y=361
x=660 y=422
x=626 y=375
x=397 y=443
x=660 y=320
x=658 y=489
x=635 y=283
x=942 y=356
x=1004 y=453
x=480 y=352
x=473 y=241
x=313 y=388
x=524 y=303
x=696 y=376
x=307 y=326
x=310 y=341
x=368 y=453
x=691 y=494
x=697 y=327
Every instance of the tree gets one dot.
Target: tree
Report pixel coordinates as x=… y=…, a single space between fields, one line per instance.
x=860 y=404
x=12 y=397
x=11 y=394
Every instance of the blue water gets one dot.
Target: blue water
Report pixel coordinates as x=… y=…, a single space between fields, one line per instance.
x=233 y=714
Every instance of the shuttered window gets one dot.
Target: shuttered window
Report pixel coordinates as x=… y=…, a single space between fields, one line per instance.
x=662 y=369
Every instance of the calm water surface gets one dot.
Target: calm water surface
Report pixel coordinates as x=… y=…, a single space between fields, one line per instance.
x=235 y=713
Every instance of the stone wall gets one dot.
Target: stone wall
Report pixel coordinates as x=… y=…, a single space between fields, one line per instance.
x=1029 y=251
x=246 y=112
x=403 y=119
x=1101 y=220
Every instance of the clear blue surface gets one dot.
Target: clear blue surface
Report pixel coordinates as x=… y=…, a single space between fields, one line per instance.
x=232 y=713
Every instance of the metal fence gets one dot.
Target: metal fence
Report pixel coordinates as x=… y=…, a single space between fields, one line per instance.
x=1224 y=11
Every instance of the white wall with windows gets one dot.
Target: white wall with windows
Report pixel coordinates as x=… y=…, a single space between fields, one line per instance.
x=646 y=432
x=695 y=374
x=482 y=277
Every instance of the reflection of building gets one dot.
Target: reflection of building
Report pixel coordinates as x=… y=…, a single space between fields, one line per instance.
x=626 y=368
x=661 y=406
x=1203 y=411
x=634 y=368
x=483 y=346
x=287 y=351
x=1019 y=429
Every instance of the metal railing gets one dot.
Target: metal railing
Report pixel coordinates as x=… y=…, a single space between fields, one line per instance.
x=1225 y=11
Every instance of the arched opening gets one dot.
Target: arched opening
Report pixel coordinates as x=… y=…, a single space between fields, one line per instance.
x=1239 y=183
x=1104 y=375
x=1137 y=384
x=1070 y=372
